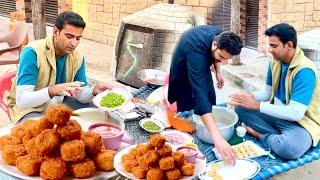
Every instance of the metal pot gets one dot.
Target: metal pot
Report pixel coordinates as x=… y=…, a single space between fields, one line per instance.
x=225 y=118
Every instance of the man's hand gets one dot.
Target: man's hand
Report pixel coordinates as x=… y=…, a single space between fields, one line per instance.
x=228 y=154
x=220 y=80
x=100 y=87
x=65 y=89
x=244 y=99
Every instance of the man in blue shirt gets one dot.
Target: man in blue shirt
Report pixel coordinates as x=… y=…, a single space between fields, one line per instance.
x=284 y=114
x=51 y=70
x=190 y=83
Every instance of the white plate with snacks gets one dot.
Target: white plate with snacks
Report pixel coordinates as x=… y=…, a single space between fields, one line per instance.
x=151 y=125
x=112 y=99
x=200 y=165
x=243 y=169
x=13 y=171
x=247 y=149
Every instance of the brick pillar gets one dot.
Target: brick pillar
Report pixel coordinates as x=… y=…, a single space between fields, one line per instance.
x=263 y=19
x=243 y=20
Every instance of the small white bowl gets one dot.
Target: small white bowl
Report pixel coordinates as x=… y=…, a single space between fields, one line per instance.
x=241 y=131
x=157 y=122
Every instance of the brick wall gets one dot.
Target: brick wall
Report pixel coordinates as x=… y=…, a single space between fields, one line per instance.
x=263 y=17
x=302 y=14
x=104 y=15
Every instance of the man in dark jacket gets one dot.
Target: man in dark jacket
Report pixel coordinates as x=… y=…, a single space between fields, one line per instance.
x=191 y=84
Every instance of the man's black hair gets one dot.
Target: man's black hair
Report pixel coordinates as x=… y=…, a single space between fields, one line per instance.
x=230 y=42
x=69 y=17
x=284 y=31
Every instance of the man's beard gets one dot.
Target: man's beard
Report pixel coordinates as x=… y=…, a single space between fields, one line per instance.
x=214 y=60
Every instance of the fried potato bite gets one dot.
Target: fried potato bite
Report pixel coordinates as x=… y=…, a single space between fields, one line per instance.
x=10 y=153
x=29 y=164
x=73 y=151
x=166 y=163
x=173 y=174
x=187 y=169
x=72 y=130
x=104 y=160
x=58 y=114
x=155 y=174
x=149 y=159
x=53 y=168
x=157 y=141
x=140 y=172
x=92 y=142
x=47 y=141
x=179 y=158
x=165 y=151
x=8 y=140
x=83 y=169
x=30 y=146
x=129 y=164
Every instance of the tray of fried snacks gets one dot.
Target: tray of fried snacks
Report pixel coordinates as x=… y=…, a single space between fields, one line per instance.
x=246 y=149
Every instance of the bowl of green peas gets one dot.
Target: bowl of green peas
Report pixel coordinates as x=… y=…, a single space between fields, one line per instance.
x=112 y=99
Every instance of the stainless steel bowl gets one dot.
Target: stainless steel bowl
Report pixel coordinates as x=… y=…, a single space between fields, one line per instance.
x=225 y=118
x=152 y=76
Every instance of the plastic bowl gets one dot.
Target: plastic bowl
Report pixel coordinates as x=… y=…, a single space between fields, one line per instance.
x=225 y=118
x=152 y=76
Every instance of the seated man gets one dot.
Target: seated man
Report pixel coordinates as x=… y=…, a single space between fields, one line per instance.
x=51 y=69
x=285 y=115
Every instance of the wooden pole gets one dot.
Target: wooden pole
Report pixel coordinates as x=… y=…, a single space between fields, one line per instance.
x=38 y=19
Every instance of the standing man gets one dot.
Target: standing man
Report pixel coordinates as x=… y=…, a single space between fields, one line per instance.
x=191 y=84
x=51 y=70
x=285 y=115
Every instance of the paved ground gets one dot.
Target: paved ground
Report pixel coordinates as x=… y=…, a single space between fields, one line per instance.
x=250 y=76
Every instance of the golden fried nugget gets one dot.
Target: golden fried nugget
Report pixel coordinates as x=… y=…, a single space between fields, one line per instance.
x=30 y=146
x=157 y=141
x=44 y=123
x=140 y=150
x=47 y=141
x=8 y=140
x=92 y=142
x=149 y=159
x=18 y=131
x=140 y=172
x=104 y=160
x=155 y=174
x=27 y=136
x=166 y=163
x=165 y=151
x=73 y=151
x=72 y=130
x=53 y=168
x=10 y=153
x=187 y=169
x=173 y=174
x=129 y=164
x=58 y=114
x=83 y=169
x=126 y=157
x=29 y=164
x=179 y=158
